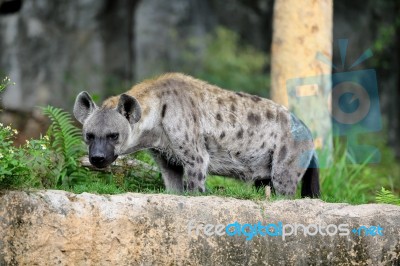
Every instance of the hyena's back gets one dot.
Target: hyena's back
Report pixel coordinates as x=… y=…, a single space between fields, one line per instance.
x=236 y=134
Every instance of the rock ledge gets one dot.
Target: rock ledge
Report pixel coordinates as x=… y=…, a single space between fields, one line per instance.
x=60 y=228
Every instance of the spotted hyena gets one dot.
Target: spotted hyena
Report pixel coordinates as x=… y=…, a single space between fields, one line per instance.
x=193 y=129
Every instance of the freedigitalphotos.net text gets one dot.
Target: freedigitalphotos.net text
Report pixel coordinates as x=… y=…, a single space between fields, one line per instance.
x=280 y=230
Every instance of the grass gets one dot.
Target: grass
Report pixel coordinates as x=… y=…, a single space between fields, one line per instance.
x=229 y=187
x=345 y=180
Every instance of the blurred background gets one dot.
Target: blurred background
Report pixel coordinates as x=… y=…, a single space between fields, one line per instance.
x=54 y=49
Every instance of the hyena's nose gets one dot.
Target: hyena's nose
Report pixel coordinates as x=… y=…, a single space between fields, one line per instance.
x=98 y=159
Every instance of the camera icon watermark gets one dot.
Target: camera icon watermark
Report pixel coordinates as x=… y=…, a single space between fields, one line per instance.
x=352 y=103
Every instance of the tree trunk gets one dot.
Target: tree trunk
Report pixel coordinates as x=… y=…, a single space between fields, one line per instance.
x=302 y=34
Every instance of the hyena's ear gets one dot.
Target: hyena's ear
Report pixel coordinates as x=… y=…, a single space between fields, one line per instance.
x=83 y=107
x=129 y=107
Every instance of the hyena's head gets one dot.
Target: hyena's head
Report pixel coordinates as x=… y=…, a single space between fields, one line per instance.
x=106 y=130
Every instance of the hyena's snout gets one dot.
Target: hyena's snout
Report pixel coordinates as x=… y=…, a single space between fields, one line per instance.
x=101 y=153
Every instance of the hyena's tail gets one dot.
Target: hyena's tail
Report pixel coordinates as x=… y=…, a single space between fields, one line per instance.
x=310 y=185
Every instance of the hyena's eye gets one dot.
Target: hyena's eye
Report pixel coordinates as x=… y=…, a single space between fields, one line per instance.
x=89 y=136
x=113 y=136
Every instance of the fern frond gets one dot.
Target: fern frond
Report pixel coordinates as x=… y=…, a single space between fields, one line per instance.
x=386 y=196
x=66 y=140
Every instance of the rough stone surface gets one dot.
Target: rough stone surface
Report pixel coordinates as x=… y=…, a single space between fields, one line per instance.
x=60 y=228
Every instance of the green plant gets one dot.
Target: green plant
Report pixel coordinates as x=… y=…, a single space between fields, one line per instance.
x=5 y=83
x=22 y=166
x=229 y=63
x=66 y=141
x=343 y=180
x=29 y=165
x=386 y=196
x=12 y=165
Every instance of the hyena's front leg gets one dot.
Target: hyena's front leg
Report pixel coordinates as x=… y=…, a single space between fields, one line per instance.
x=171 y=173
x=181 y=127
x=195 y=170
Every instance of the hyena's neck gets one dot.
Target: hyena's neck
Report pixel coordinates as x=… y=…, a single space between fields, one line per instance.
x=147 y=133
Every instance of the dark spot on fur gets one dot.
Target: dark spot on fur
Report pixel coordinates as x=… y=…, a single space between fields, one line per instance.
x=186 y=136
x=238 y=153
x=200 y=176
x=285 y=174
x=193 y=159
x=240 y=94
x=263 y=145
x=194 y=118
x=199 y=159
x=220 y=102
x=191 y=185
x=281 y=117
x=222 y=135
x=239 y=134
x=291 y=160
x=255 y=98
x=207 y=145
x=270 y=158
x=175 y=92
x=219 y=117
x=201 y=190
x=185 y=152
x=180 y=147
x=282 y=153
x=269 y=115
x=232 y=118
x=192 y=102
x=298 y=174
x=233 y=108
x=164 y=108
x=254 y=119
x=251 y=133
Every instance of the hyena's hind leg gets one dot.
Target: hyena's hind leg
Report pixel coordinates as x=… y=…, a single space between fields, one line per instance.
x=288 y=169
x=171 y=173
